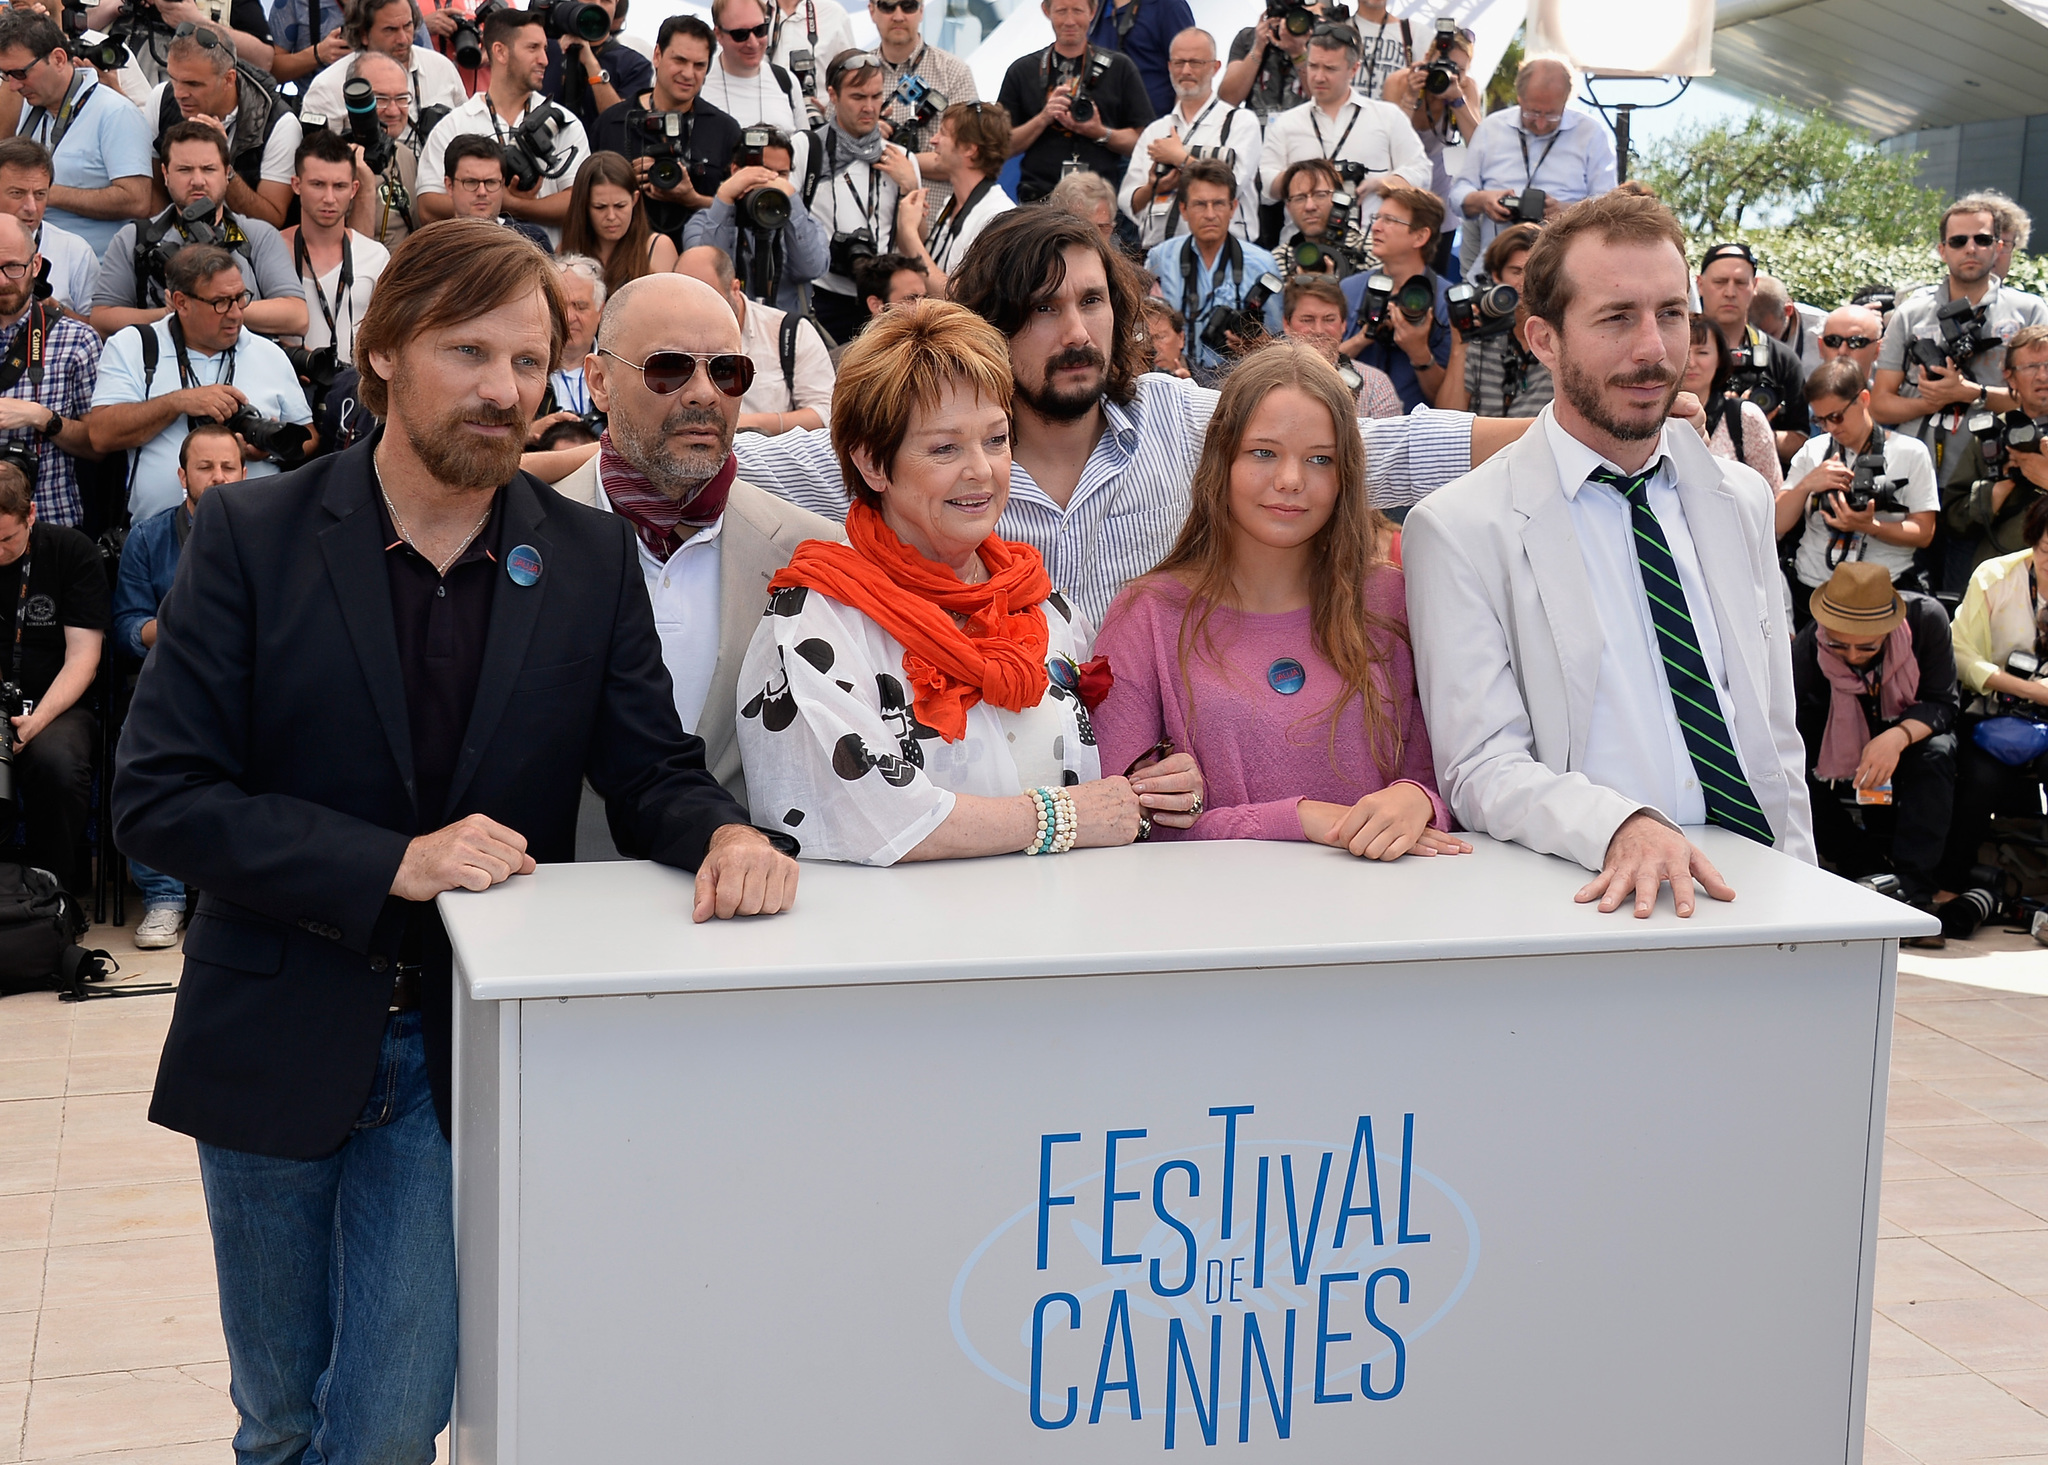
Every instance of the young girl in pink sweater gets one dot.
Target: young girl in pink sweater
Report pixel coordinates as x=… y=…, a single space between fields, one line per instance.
x=1272 y=641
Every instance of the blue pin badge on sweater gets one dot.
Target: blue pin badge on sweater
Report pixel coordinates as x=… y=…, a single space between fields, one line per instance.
x=523 y=564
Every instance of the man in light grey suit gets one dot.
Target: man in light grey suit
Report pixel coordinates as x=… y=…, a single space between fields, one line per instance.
x=709 y=543
x=1599 y=635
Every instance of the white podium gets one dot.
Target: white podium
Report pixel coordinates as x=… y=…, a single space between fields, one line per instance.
x=1126 y=1151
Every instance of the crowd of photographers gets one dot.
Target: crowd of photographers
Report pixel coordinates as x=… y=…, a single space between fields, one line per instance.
x=196 y=203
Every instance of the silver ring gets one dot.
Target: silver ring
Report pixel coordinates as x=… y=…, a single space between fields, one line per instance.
x=1195 y=809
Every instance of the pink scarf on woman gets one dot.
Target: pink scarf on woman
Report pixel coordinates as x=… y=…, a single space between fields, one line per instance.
x=1841 y=747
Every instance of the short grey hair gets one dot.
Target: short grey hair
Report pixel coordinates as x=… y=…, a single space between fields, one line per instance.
x=590 y=269
x=2007 y=218
x=1081 y=194
x=359 y=59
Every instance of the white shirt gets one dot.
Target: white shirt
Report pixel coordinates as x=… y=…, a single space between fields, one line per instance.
x=1377 y=134
x=793 y=32
x=861 y=197
x=1215 y=124
x=1636 y=746
x=757 y=100
x=280 y=149
x=761 y=339
x=434 y=82
x=367 y=259
x=74 y=266
x=948 y=240
x=572 y=391
x=1904 y=457
x=684 y=592
x=476 y=116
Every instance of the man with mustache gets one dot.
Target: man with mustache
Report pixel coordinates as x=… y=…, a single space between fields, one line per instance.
x=708 y=543
x=379 y=679
x=1599 y=639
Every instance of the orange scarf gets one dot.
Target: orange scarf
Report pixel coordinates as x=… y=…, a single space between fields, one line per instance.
x=999 y=658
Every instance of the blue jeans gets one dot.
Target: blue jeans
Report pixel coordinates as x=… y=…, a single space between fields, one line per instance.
x=337 y=1281
x=158 y=889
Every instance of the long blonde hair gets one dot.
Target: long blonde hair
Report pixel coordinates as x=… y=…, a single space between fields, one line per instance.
x=1343 y=555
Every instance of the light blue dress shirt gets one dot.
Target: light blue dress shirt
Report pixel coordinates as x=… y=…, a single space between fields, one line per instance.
x=1223 y=285
x=1575 y=162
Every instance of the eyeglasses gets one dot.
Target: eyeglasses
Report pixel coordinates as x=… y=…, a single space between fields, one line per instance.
x=20 y=73
x=206 y=36
x=752 y=32
x=392 y=99
x=1385 y=218
x=900 y=7
x=1320 y=195
x=668 y=372
x=1834 y=419
x=1854 y=343
x=1846 y=648
x=225 y=303
x=478 y=185
x=14 y=269
x=2032 y=368
x=1964 y=241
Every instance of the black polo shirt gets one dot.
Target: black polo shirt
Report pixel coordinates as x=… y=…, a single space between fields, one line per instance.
x=628 y=72
x=67 y=586
x=1119 y=97
x=710 y=137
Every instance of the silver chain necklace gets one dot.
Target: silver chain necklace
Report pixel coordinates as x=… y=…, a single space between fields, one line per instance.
x=404 y=533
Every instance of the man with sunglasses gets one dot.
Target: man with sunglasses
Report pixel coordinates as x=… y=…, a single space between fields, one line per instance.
x=202 y=83
x=1357 y=133
x=743 y=83
x=906 y=53
x=1930 y=403
x=203 y=364
x=670 y=371
x=857 y=177
x=682 y=57
x=1072 y=104
x=1854 y=331
x=98 y=142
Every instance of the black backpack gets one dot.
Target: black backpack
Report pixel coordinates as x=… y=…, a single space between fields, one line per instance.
x=40 y=923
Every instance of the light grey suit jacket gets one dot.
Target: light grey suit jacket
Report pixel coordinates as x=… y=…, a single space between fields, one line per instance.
x=760 y=533
x=1507 y=647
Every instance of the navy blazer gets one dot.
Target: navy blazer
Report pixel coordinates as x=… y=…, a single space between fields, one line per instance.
x=267 y=760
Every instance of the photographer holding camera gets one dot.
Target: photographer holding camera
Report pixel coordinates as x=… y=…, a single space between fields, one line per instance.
x=1997 y=470
x=204 y=83
x=337 y=267
x=1862 y=492
x=1328 y=238
x=133 y=287
x=1198 y=123
x=98 y=142
x=1401 y=320
x=1224 y=287
x=967 y=152
x=1766 y=370
x=924 y=83
x=543 y=144
x=385 y=149
x=680 y=145
x=1943 y=348
x=775 y=246
x=196 y=362
x=52 y=628
x=1502 y=377
x=1526 y=162
x=1265 y=70
x=753 y=90
x=1369 y=142
x=1445 y=102
x=387 y=28
x=1314 y=311
x=48 y=362
x=855 y=179
x=475 y=180
x=589 y=74
x=1072 y=105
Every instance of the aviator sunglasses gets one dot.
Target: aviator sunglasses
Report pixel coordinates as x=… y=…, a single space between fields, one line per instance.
x=668 y=372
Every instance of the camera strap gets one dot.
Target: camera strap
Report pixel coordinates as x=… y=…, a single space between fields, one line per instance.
x=1368 y=77
x=1529 y=173
x=343 y=287
x=952 y=219
x=1191 y=309
x=870 y=212
x=1357 y=111
x=67 y=113
x=810 y=27
x=187 y=376
x=26 y=353
x=20 y=614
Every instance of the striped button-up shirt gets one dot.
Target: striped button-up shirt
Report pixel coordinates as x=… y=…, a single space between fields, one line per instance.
x=1127 y=510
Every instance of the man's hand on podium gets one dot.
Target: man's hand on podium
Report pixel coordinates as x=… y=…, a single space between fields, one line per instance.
x=471 y=854
x=1643 y=854
x=743 y=875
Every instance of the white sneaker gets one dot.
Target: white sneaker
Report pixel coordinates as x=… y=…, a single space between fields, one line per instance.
x=159 y=928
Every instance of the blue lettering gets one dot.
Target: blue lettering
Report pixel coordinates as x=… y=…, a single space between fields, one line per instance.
x=1177 y=1354
x=1038 y=1360
x=1235 y=1279
x=1303 y=1255
x=1228 y=1114
x=1119 y=1322
x=1111 y=1195
x=1407 y=1167
x=1361 y=1143
x=1282 y=1402
x=1212 y=1280
x=1047 y=1200
x=1259 y=1239
x=1324 y=1337
x=1187 y=1237
x=1400 y=1348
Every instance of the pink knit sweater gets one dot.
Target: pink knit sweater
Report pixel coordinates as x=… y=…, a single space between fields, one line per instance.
x=1261 y=753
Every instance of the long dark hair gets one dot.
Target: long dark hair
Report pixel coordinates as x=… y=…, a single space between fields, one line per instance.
x=1718 y=402
x=629 y=256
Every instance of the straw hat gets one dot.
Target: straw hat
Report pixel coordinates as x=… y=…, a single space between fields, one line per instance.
x=1858 y=600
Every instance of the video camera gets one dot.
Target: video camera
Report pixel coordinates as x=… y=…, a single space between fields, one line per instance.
x=1479 y=314
x=1962 y=337
x=1443 y=72
x=2000 y=434
x=531 y=152
x=660 y=136
x=1750 y=376
x=927 y=104
x=1525 y=207
x=1415 y=299
x=1246 y=321
x=766 y=209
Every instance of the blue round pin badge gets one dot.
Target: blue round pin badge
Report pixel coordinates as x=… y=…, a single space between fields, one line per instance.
x=1286 y=677
x=1065 y=675
x=523 y=564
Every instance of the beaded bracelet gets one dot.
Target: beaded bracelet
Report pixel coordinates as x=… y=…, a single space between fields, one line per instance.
x=1041 y=839
x=1059 y=823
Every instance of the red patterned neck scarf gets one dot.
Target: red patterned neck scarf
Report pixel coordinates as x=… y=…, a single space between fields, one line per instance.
x=654 y=515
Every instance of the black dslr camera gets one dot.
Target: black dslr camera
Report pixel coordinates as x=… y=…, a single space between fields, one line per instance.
x=1246 y=321
x=97 y=50
x=1478 y=314
x=1352 y=174
x=12 y=705
x=1962 y=337
x=573 y=20
x=1415 y=299
x=848 y=250
x=364 y=130
x=317 y=371
x=466 y=41
x=2027 y=667
x=284 y=441
x=531 y=155
x=660 y=136
x=765 y=209
x=194 y=225
x=1091 y=71
x=1750 y=376
x=1525 y=207
x=1443 y=72
x=1298 y=18
x=1870 y=489
x=2000 y=434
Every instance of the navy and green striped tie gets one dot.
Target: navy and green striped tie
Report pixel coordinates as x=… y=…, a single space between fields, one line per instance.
x=1730 y=803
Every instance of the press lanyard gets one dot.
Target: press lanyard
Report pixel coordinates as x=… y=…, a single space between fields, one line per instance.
x=1372 y=57
x=810 y=26
x=563 y=397
x=874 y=188
x=1529 y=173
x=1201 y=117
x=67 y=113
x=1357 y=111
x=1191 y=309
x=343 y=286
x=953 y=218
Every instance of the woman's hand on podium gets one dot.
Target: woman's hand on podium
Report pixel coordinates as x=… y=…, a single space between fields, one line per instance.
x=1643 y=854
x=743 y=875
x=471 y=854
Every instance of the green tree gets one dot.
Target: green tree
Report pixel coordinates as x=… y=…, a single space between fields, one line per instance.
x=1791 y=168
x=1500 y=90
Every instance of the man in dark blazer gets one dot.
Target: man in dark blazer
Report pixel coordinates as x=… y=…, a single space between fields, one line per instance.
x=380 y=678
